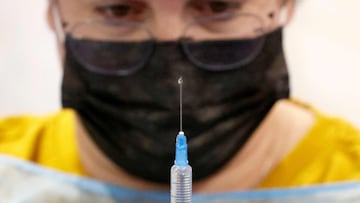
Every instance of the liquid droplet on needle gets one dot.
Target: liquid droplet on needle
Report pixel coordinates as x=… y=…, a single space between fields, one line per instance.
x=180 y=81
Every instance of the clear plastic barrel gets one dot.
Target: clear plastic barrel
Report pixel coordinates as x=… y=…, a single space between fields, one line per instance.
x=181 y=184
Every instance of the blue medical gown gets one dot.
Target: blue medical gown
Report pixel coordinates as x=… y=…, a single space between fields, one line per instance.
x=25 y=182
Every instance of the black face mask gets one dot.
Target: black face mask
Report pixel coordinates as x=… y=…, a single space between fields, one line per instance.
x=134 y=119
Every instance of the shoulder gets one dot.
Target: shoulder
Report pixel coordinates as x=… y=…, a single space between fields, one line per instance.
x=20 y=126
x=21 y=136
x=320 y=126
x=299 y=118
x=337 y=142
x=328 y=149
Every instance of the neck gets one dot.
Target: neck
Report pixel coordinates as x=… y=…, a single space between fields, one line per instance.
x=277 y=135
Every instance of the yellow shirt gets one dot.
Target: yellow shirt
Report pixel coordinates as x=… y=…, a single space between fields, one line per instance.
x=330 y=151
x=48 y=141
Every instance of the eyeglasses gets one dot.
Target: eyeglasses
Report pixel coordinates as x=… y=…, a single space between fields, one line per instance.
x=118 y=47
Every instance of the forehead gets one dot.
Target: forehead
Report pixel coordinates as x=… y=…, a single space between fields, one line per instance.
x=173 y=3
x=79 y=9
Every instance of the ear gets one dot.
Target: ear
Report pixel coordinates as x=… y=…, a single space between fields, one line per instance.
x=52 y=24
x=54 y=20
x=50 y=17
x=287 y=12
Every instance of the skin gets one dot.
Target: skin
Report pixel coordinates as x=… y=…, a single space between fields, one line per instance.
x=276 y=136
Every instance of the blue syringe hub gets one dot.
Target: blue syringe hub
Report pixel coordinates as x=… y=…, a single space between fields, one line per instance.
x=181 y=154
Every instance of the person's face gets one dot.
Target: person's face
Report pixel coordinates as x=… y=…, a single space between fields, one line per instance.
x=166 y=19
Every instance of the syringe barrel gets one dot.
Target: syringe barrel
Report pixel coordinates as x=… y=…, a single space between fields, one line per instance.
x=181 y=184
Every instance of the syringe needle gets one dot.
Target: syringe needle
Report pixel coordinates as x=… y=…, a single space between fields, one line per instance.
x=181 y=171
x=180 y=82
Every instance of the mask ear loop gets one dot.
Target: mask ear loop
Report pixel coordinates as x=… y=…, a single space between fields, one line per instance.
x=283 y=16
x=59 y=30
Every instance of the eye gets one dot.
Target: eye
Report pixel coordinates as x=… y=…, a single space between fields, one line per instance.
x=212 y=7
x=219 y=6
x=116 y=10
x=131 y=10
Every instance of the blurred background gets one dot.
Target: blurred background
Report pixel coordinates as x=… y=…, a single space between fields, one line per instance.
x=322 y=46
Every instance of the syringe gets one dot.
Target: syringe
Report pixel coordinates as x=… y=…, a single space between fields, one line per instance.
x=181 y=171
